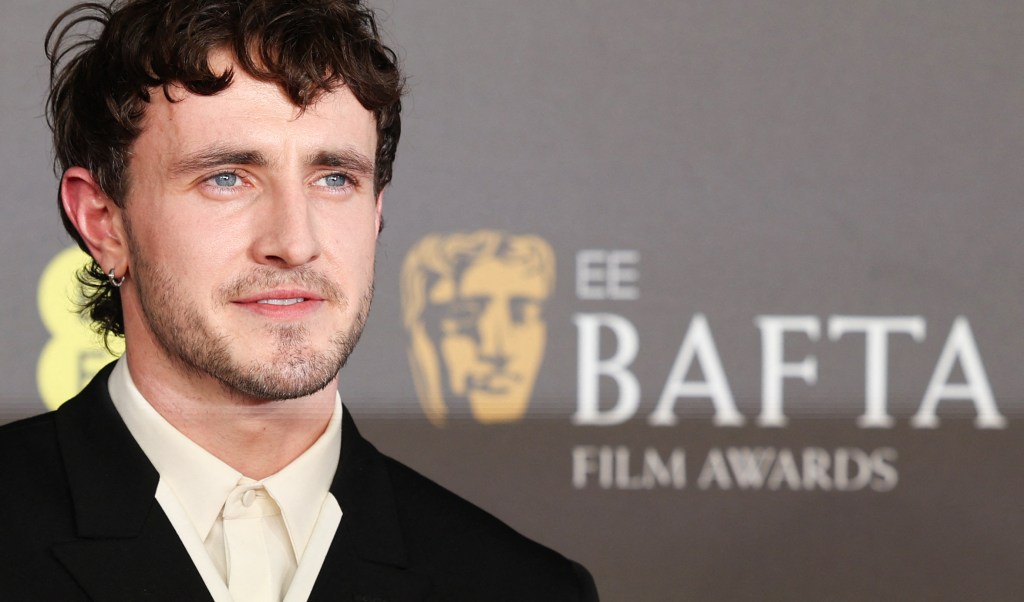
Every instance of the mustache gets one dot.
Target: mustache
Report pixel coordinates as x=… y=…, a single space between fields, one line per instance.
x=261 y=279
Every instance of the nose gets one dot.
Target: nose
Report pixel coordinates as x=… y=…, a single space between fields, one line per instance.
x=493 y=330
x=287 y=233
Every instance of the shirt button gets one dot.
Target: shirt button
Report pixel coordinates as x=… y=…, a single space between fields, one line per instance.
x=248 y=498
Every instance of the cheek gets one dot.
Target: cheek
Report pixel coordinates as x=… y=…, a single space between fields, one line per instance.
x=458 y=358
x=195 y=255
x=350 y=238
x=527 y=350
x=459 y=351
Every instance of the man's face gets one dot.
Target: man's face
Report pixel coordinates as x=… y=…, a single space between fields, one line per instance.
x=251 y=229
x=492 y=337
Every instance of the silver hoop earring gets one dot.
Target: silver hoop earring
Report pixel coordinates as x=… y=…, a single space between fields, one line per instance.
x=117 y=282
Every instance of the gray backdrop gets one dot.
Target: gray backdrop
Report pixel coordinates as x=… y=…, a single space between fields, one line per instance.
x=777 y=168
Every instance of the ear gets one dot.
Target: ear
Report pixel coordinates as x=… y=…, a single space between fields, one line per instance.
x=380 y=212
x=97 y=218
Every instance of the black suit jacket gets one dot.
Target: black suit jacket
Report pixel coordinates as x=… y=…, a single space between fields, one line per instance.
x=79 y=521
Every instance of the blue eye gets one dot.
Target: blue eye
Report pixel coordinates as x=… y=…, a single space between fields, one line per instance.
x=335 y=180
x=225 y=179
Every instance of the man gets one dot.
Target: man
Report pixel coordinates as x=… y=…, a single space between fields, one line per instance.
x=224 y=163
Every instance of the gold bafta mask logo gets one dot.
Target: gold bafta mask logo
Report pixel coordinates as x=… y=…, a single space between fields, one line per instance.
x=472 y=305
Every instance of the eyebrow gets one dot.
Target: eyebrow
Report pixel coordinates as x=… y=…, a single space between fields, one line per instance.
x=215 y=156
x=348 y=159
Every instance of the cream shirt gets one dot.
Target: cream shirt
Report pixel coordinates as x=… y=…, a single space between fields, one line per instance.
x=194 y=485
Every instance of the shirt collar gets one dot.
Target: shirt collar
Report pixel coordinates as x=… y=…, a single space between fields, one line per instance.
x=202 y=482
x=301 y=487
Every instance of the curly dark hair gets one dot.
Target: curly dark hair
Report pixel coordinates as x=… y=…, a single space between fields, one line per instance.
x=106 y=61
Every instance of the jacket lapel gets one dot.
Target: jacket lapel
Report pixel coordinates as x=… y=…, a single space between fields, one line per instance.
x=127 y=549
x=367 y=560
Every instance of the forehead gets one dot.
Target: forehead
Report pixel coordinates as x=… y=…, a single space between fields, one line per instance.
x=494 y=276
x=253 y=114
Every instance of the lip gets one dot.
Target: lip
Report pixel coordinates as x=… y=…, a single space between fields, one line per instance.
x=499 y=383
x=309 y=303
x=280 y=294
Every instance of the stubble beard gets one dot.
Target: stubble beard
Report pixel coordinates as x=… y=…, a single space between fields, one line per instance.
x=293 y=369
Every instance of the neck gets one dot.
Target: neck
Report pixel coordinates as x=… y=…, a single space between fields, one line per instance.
x=255 y=437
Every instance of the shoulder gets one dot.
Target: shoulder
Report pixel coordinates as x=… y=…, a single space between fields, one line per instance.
x=35 y=509
x=463 y=551
x=473 y=553
x=32 y=471
x=29 y=451
x=36 y=498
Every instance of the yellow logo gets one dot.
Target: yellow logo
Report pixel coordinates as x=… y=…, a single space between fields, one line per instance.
x=74 y=353
x=472 y=303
